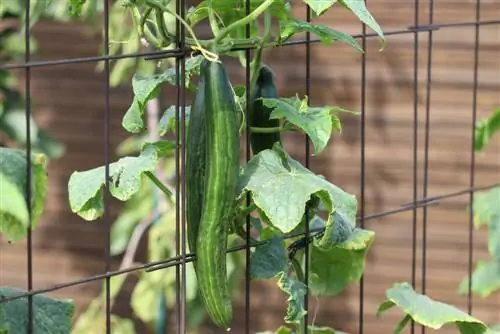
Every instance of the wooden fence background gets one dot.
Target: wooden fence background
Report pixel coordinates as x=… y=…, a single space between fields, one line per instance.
x=69 y=101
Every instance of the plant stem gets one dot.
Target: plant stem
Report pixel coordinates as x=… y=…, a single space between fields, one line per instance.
x=140 y=21
x=298 y=269
x=275 y=129
x=213 y=22
x=256 y=63
x=162 y=28
x=160 y=185
x=244 y=21
x=301 y=277
x=247 y=210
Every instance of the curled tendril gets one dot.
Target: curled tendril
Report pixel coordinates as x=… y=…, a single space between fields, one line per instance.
x=210 y=56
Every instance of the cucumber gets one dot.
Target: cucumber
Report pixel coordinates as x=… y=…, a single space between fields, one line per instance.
x=195 y=165
x=221 y=178
x=259 y=113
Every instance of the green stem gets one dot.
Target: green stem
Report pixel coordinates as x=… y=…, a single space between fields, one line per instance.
x=301 y=277
x=142 y=28
x=256 y=63
x=160 y=185
x=244 y=21
x=298 y=270
x=213 y=22
x=162 y=28
x=275 y=129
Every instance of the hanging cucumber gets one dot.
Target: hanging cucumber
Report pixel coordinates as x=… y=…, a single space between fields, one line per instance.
x=221 y=177
x=259 y=113
x=195 y=164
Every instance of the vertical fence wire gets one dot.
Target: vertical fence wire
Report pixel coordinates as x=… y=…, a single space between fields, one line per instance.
x=29 y=244
x=307 y=165
x=426 y=147
x=248 y=199
x=362 y=169
x=473 y=154
x=416 y=21
x=180 y=162
x=106 y=218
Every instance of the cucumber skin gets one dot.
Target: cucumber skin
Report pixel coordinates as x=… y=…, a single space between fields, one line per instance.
x=195 y=165
x=259 y=114
x=221 y=178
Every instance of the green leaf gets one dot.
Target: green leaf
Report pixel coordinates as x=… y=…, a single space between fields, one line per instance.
x=325 y=34
x=85 y=188
x=145 y=294
x=192 y=67
x=495 y=329
x=338 y=229
x=486 y=129
x=13 y=210
x=317 y=122
x=269 y=260
x=13 y=123
x=485 y=279
x=147 y=87
x=487 y=212
x=358 y=7
x=427 y=312
x=296 y=291
x=167 y=120
x=49 y=146
x=322 y=330
x=76 y=6
x=132 y=145
x=13 y=168
x=281 y=330
x=281 y=186
x=132 y=120
x=334 y=268
x=50 y=316
x=320 y=6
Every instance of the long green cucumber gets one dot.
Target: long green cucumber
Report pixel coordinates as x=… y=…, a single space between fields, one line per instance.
x=195 y=164
x=259 y=113
x=221 y=177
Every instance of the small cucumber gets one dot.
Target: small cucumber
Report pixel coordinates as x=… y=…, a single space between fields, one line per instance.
x=259 y=113
x=221 y=178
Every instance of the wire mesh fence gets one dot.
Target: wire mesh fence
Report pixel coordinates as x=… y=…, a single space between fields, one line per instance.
x=421 y=139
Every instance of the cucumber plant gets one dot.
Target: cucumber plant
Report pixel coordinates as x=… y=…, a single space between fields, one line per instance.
x=286 y=198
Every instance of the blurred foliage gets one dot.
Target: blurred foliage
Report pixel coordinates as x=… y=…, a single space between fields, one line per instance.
x=485 y=279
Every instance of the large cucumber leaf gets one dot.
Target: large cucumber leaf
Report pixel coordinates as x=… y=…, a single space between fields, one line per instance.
x=50 y=316
x=86 y=188
x=280 y=187
x=427 y=312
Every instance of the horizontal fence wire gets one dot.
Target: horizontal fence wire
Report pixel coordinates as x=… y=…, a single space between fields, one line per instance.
x=177 y=53
x=190 y=257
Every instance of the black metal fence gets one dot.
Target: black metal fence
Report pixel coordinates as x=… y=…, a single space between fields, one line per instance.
x=421 y=199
